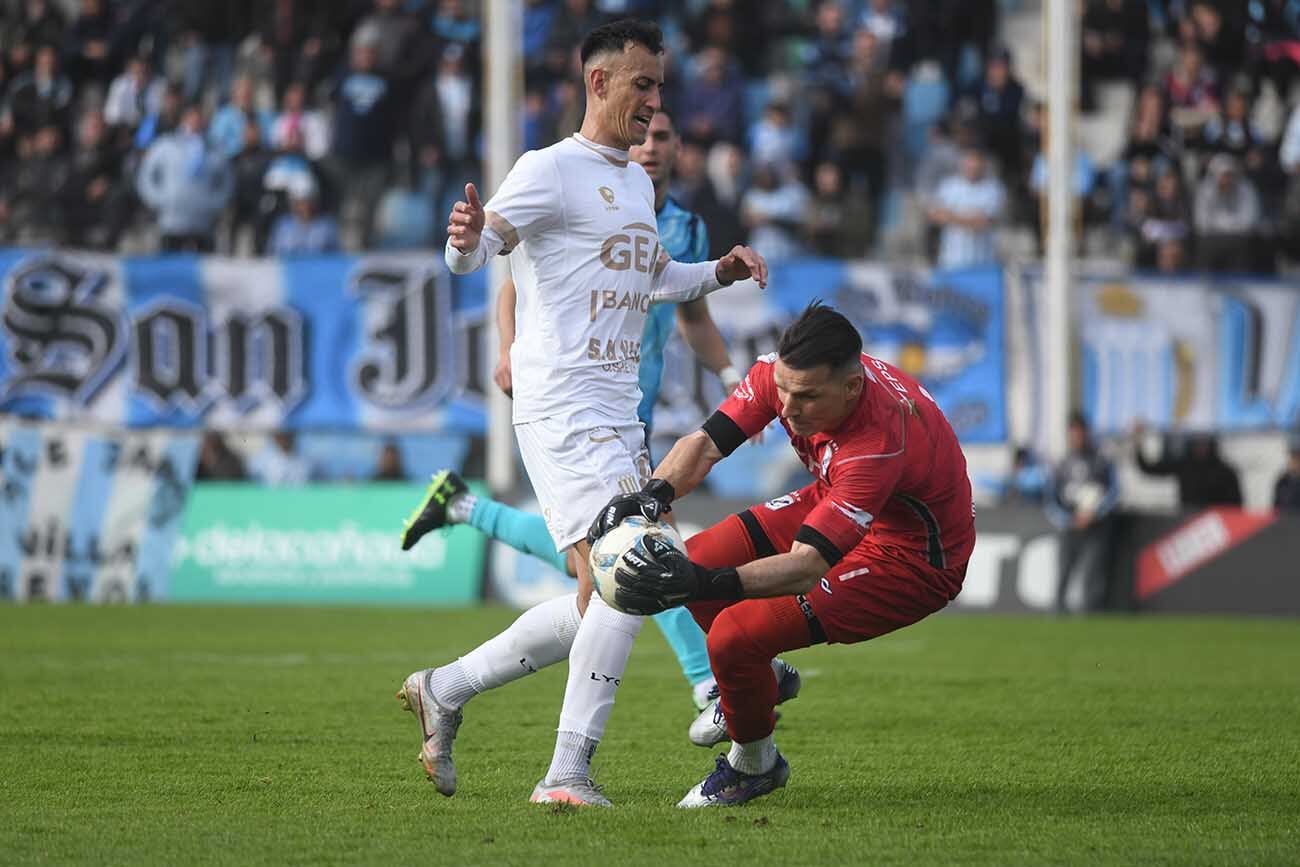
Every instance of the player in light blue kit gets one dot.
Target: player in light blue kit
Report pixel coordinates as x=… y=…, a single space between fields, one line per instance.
x=448 y=500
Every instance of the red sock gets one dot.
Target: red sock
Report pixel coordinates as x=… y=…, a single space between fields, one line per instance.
x=726 y=543
x=744 y=639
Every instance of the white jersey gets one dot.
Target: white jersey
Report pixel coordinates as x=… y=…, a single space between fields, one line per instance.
x=579 y=222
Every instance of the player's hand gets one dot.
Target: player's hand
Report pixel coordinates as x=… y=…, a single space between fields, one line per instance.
x=465 y=225
x=740 y=264
x=650 y=503
x=502 y=377
x=656 y=576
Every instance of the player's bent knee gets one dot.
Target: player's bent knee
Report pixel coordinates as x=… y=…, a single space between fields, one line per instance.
x=731 y=644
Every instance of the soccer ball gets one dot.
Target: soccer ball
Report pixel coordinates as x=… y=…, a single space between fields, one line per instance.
x=610 y=548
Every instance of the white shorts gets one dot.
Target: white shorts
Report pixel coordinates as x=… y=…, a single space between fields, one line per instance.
x=576 y=464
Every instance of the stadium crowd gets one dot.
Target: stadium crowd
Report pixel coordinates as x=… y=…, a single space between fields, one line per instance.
x=809 y=128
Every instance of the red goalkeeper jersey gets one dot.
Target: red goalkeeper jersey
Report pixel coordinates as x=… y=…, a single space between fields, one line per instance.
x=892 y=470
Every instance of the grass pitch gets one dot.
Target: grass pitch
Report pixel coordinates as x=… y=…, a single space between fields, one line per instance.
x=159 y=735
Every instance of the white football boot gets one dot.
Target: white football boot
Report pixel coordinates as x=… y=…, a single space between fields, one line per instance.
x=580 y=793
x=438 y=727
x=710 y=727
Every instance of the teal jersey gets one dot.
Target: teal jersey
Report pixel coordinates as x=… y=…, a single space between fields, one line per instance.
x=683 y=236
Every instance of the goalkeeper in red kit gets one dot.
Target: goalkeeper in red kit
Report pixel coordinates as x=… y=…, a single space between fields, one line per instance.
x=878 y=541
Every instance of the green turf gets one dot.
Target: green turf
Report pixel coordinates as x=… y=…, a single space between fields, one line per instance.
x=240 y=736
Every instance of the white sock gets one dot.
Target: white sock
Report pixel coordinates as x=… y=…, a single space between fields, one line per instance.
x=572 y=759
x=541 y=636
x=755 y=757
x=596 y=665
x=460 y=508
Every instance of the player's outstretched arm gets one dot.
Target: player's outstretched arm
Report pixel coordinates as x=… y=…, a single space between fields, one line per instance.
x=677 y=282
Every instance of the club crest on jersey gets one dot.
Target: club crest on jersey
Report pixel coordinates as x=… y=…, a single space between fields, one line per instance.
x=608 y=195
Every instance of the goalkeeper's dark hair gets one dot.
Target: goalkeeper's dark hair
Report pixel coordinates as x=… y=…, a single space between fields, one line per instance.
x=821 y=335
x=615 y=36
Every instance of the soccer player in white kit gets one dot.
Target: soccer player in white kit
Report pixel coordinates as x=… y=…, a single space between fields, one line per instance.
x=578 y=220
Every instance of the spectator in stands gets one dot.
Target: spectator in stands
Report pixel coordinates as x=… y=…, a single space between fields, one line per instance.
x=296 y=114
x=449 y=107
x=42 y=171
x=773 y=209
x=1159 y=216
x=389 y=467
x=88 y=43
x=161 y=119
x=1204 y=478
x=93 y=201
x=217 y=461
x=1227 y=211
x=211 y=33
x=187 y=182
x=455 y=21
x=1232 y=131
x=248 y=217
x=1286 y=492
x=1191 y=92
x=838 y=221
x=1289 y=160
x=40 y=22
x=710 y=104
x=365 y=113
x=774 y=139
x=1025 y=483
x=301 y=38
x=1083 y=493
x=41 y=97
x=401 y=44
x=304 y=230
x=998 y=99
x=133 y=95
x=1116 y=37
x=863 y=118
x=279 y=465
x=1221 y=40
x=226 y=131
x=967 y=208
x=290 y=168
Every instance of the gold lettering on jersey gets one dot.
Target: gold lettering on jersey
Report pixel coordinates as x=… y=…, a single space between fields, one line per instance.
x=618 y=355
x=639 y=251
x=611 y=299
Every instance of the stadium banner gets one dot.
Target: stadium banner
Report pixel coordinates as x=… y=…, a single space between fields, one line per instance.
x=945 y=328
x=319 y=544
x=386 y=342
x=89 y=515
x=392 y=342
x=1186 y=354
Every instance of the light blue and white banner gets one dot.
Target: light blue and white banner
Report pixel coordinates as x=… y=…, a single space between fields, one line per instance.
x=1189 y=355
x=376 y=342
x=90 y=516
x=945 y=328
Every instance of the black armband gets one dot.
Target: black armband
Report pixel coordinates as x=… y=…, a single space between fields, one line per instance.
x=724 y=432
x=825 y=547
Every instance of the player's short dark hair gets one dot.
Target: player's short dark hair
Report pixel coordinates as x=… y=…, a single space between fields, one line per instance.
x=821 y=335
x=615 y=36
